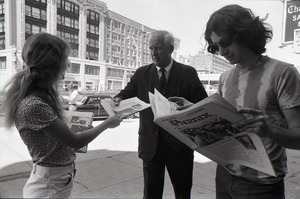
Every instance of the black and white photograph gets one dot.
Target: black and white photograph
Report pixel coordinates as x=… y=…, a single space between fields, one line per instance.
x=60 y=59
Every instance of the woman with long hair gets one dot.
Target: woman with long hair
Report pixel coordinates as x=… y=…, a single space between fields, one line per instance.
x=32 y=104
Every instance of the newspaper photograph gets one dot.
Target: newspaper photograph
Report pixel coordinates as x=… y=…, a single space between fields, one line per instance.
x=79 y=121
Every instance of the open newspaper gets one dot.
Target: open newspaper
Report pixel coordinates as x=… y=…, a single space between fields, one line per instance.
x=206 y=128
x=126 y=107
x=79 y=121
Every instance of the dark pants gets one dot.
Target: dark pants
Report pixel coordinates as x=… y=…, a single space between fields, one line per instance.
x=229 y=186
x=180 y=168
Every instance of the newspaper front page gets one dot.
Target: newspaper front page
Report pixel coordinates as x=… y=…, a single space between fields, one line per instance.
x=126 y=107
x=79 y=121
x=206 y=128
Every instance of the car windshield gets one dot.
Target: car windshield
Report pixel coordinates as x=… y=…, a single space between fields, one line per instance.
x=82 y=101
x=101 y=97
x=105 y=97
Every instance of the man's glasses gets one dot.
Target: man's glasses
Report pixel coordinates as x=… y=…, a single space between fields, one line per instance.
x=214 y=48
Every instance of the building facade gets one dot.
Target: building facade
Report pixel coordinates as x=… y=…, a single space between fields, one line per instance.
x=207 y=63
x=106 y=47
x=209 y=68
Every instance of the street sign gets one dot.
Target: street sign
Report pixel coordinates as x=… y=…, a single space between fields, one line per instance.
x=292 y=20
x=297 y=40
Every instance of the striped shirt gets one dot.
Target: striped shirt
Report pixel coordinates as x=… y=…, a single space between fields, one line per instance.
x=269 y=86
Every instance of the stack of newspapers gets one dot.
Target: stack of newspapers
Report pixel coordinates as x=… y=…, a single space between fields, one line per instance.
x=79 y=121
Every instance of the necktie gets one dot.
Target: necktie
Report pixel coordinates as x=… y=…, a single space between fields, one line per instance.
x=162 y=79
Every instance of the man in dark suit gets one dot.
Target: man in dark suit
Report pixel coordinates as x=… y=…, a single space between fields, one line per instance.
x=157 y=148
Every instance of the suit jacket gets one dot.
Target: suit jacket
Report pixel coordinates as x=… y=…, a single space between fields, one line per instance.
x=183 y=81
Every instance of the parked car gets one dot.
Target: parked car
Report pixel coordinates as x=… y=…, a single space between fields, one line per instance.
x=64 y=102
x=92 y=103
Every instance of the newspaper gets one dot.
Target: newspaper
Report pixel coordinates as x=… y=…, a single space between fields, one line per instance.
x=79 y=121
x=126 y=107
x=206 y=128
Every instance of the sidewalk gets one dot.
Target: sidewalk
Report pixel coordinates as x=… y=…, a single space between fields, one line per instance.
x=111 y=168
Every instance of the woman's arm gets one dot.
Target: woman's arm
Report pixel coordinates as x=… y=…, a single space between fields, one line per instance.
x=60 y=131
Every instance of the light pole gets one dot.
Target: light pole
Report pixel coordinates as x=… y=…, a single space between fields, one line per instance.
x=136 y=44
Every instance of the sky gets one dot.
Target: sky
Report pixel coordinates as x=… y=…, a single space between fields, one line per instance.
x=186 y=19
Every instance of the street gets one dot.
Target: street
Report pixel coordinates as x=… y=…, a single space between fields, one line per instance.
x=110 y=169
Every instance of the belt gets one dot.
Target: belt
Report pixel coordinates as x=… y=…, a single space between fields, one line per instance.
x=42 y=168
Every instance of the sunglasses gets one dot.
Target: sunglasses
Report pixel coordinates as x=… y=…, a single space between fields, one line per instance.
x=215 y=48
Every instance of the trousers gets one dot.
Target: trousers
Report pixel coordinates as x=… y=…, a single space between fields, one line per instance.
x=179 y=164
x=229 y=186
x=50 y=182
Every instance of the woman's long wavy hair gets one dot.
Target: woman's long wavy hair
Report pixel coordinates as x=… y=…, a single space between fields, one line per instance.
x=45 y=58
x=240 y=24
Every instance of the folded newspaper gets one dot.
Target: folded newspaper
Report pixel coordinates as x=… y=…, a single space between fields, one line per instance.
x=126 y=107
x=79 y=121
x=206 y=128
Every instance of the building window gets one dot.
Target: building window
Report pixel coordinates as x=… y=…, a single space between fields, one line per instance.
x=68 y=6
x=2 y=26
x=58 y=19
x=74 y=52
x=114 y=85
x=92 y=55
x=72 y=39
x=2 y=62
x=28 y=28
x=112 y=72
x=27 y=10
x=92 y=42
x=43 y=14
x=41 y=1
x=93 y=15
x=33 y=29
x=66 y=21
x=75 y=68
x=2 y=43
x=69 y=37
x=76 y=9
x=92 y=70
x=58 y=4
x=35 y=12
x=2 y=7
x=92 y=29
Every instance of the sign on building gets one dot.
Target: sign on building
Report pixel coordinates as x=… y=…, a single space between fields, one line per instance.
x=297 y=41
x=292 y=20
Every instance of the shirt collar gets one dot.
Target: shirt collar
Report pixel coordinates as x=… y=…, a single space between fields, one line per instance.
x=168 y=68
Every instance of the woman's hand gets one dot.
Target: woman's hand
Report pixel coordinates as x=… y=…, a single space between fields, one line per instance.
x=113 y=121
